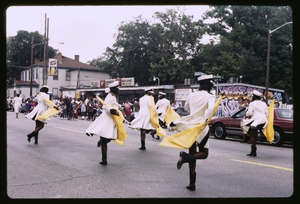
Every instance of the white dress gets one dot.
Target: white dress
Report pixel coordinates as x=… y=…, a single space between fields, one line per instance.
x=40 y=108
x=258 y=110
x=105 y=125
x=17 y=104
x=143 y=119
x=162 y=106
x=200 y=104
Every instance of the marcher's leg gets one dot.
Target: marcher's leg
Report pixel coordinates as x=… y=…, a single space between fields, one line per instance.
x=36 y=138
x=187 y=158
x=38 y=126
x=143 y=137
x=104 y=154
x=253 y=135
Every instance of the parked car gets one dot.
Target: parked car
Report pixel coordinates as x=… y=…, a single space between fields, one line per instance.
x=182 y=112
x=283 y=125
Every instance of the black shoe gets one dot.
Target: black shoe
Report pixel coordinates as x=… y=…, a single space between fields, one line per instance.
x=142 y=148
x=31 y=135
x=253 y=151
x=158 y=138
x=185 y=158
x=192 y=185
x=103 y=163
x=36 y=139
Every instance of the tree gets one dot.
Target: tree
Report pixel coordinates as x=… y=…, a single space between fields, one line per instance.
x=18 y=52
x=248 y=26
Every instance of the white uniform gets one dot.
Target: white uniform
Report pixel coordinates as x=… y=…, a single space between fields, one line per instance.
x=142 y=121
x=40 y=108
x=17 y=104
x=162 y=106
x=105 y=125
x=258 y=110
x=200 y=104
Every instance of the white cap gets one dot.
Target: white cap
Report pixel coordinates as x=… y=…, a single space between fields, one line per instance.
x=256 y=93
x=204 y=77
x=161 y=93
x=45 y=86
x=149 y=90
x=114 y=84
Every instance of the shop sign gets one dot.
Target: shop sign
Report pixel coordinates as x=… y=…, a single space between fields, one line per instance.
x=182 y=94
x=127 y=81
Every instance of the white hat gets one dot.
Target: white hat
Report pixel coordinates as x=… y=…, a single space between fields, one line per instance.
x=206 y=79
x=161 y=93
x=45 y=86
x=149 y=90
x=114 y=84
x=256 y=93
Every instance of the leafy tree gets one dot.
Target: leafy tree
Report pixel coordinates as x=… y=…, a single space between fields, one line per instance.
x=18 y=52
x=248 y=26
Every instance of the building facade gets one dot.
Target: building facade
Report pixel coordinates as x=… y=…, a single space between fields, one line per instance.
x=70 y=73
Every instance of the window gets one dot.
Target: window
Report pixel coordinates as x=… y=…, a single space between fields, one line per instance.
x=29 y=74
x=36 y=73
x=25 y=77
x=56 y=77
x=68 y=75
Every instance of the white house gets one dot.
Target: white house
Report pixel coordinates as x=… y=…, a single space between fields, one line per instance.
x=71 y=73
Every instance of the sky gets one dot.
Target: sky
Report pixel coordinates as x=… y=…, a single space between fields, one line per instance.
x=84 y=30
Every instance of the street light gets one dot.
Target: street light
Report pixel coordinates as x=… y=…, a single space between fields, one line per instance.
x=154 y=79
x=268 y=58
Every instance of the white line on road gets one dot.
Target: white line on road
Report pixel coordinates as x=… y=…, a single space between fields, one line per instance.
x=265 y=165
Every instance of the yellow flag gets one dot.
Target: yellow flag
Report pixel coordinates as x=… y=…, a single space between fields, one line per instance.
x=171 y=115
x=48 y=113
x=122 y=135
x=154 y=120
x=269 y=131
x=186 y=138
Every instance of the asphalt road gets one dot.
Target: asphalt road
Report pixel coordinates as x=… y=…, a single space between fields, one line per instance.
x=65 y=164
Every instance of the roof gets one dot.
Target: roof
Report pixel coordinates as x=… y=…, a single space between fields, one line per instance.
x=70 y=63
x=26 y=83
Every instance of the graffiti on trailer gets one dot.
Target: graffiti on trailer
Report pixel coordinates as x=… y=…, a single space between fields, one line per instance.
x=231 y=94
x=227 y=107
x=237 y=91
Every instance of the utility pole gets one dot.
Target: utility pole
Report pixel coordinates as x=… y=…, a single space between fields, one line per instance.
x=31 y=66
x=44 y=61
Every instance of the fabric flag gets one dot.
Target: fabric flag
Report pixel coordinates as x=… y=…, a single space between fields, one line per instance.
x=154 y=119
x=122 y=135
x=48 y=113
x=269 y=131
x=171 y=115
x=186 y=138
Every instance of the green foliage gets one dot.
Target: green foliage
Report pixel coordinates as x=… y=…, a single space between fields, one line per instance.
x=18 y=51
x=170 y=48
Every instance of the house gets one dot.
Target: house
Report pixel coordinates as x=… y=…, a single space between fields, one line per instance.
x=70 y=74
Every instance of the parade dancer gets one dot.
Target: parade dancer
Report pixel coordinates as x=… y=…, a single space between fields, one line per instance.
x=161 y=106
x=201 y=106
x=256 y=118
x=104 y=125
x=143 y=120
x=17 y=102
x=40 y=113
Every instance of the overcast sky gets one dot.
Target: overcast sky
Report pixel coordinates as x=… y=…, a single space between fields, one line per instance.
x=85 y=30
